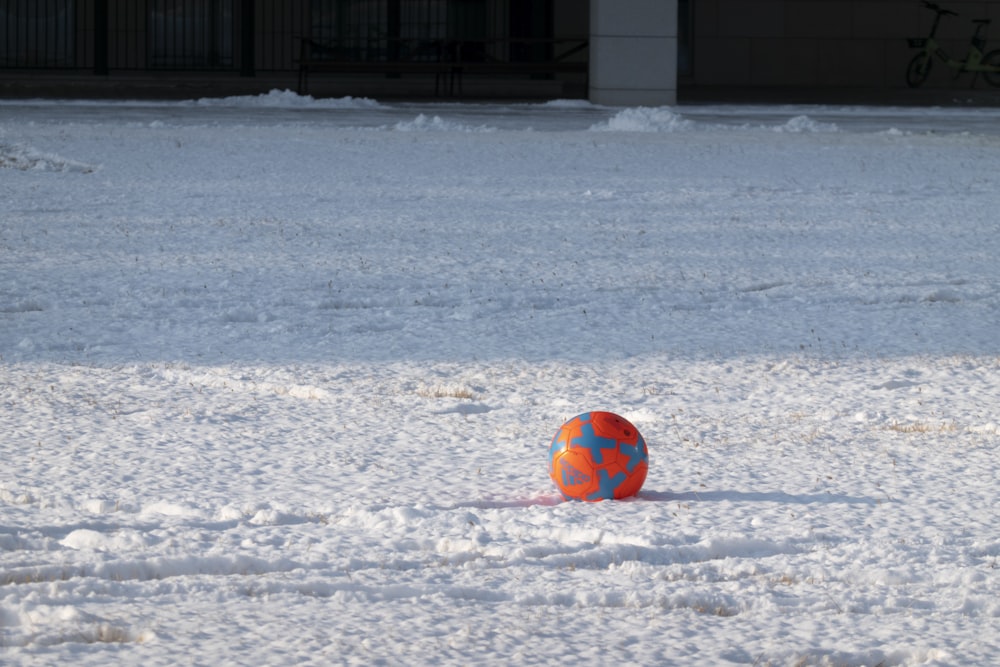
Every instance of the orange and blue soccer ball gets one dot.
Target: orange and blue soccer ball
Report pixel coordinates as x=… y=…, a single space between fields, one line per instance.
x=598 y=456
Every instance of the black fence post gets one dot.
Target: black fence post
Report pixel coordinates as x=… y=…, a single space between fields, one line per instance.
x=101 y=37
x=248 y=51
x=393 y=29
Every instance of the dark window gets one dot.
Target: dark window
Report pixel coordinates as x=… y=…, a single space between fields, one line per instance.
x=373 y=30
x=37 y=33
x=531 y=23
x=191 y=34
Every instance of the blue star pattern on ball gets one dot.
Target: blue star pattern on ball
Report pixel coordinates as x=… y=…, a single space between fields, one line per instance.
x=588 y=439
x=636 y=453
x=557 y=444
x=607 y=485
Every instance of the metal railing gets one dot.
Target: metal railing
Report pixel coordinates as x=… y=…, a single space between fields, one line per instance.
x=191 y=34
x=38 y=33
x=251 y=35
x=120 y=34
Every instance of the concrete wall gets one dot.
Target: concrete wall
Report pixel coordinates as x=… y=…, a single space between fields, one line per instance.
x=633 y=52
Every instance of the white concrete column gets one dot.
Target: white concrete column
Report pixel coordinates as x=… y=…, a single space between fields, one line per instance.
x=633 y=52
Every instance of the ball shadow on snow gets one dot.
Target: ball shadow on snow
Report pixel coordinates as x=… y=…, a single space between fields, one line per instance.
x=755 y=497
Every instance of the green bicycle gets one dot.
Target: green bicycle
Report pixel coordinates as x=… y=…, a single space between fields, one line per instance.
x=920 y=67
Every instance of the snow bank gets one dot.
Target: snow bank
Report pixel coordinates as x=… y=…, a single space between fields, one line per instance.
x=287 y=99
x=800 y=124
x=25 y=158
x=423 y=123
x=674 y=119
x=645 y=119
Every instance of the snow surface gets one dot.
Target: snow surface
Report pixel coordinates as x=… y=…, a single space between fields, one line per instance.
x=278 y=378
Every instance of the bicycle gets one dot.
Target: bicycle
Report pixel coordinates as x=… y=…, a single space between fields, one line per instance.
x=920 y=66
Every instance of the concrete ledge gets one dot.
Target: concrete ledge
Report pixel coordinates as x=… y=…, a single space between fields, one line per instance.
x=633 y=52
x=634 y=18
x=643 y=63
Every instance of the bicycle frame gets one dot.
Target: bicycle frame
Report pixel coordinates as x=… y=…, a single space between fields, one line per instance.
x=973 y=59
x=976 y=60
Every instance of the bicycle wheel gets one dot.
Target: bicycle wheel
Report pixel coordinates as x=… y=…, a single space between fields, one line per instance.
x=992 y=59
x=919 y=69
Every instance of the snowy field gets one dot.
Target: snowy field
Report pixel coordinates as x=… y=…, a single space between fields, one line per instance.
x=278 y=378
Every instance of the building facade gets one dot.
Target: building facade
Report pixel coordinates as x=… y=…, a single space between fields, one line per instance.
x=822 y=43
x=270 y=39
x=611 y=51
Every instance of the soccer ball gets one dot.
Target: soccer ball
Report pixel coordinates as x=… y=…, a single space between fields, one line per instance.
x=598 y=456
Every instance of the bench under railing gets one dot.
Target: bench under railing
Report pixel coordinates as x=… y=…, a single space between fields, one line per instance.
x=449 y=61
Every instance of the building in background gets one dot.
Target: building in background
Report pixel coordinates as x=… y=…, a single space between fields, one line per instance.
x=610 y=51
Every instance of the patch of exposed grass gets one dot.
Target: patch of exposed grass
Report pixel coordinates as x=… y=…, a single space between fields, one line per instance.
x=448 y=391
x=922 y=427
